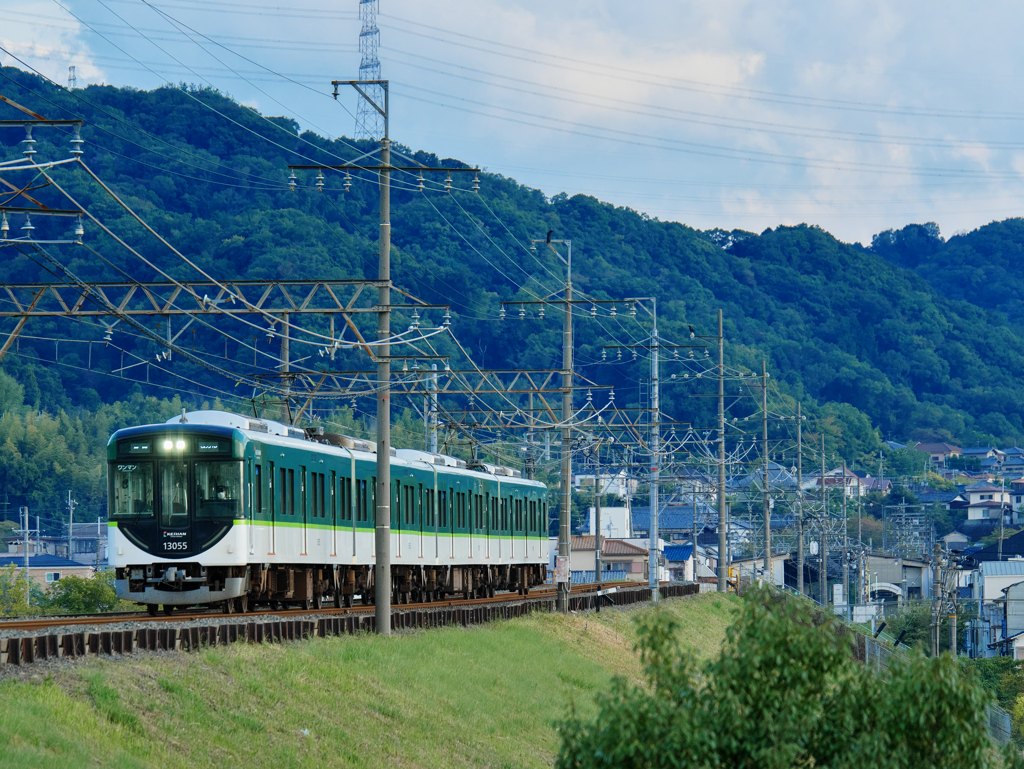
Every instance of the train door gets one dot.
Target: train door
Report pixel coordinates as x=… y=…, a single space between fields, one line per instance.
x=272 y=499
x=250 y=503
x=175 y=504
x=422 y=515
x=304 y=505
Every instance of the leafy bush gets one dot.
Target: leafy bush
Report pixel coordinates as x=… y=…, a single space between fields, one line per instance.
x=784 y=692
x=84 y=595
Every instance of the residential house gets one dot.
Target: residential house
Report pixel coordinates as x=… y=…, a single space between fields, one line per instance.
x=983 y=452
x=989 y=580
x=939 y=452
x=836 y=480
x=611 y=483
x=614 y=522
x=955 y=541
x=679 y=561
x=950 y=500
x=753 y=568
x=1012 y=630
x=44 y=570
x=1012 y=547
x=616 y=555
x=986 y=501
x=88 y=541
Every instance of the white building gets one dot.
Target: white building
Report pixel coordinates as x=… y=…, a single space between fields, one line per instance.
x=990 y=581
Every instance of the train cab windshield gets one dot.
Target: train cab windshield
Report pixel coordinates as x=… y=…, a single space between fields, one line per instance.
x=176 y=480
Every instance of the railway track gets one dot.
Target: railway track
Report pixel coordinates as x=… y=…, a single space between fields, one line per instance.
x=84 y=635
x=87 y=620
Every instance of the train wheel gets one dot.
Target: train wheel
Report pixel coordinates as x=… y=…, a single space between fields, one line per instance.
x=242 y=604
x=318 y=600
x=168 y=609
x=339 y=601
x=151 y=609
x=228 y=607
x=347 y=600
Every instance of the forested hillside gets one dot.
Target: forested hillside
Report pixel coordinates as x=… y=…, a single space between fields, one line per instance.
x=867 y=344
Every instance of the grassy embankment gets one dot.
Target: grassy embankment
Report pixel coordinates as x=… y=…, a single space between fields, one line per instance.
x=484 y=696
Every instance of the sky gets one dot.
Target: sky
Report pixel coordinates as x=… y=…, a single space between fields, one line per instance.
x=854 y=116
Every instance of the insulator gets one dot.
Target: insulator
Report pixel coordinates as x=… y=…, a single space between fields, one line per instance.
x=448 y=183
x=320 y=180
x=321 y=352
x=590 y=397
x=420 y=183
x=353 y=404
x=604 y=355
x=77 y=142
x=291 y=181
x=533 y=247
x=618 y=355
x=348 y=181
x=447 y=319
x=611 y=395
x=691 y=354
x=613 y=311
x=634 y=354
x=4 y=227
x=540 y=312
x=405 y=365
x=415 y=319
x=706 y=353
x=476 y=183
x=79 y=229
x=632 y=310
x=522 y=312
x=27 y=226
x=108 y=334
x=675 y=354
x=29 y=143
x=593 y=311
x=501 y=313
x=447 y=367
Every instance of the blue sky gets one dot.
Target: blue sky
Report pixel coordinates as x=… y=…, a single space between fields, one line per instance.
x=855 y=116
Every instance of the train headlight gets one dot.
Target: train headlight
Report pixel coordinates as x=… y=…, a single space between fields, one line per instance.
x=168 y=445
x=179 y=445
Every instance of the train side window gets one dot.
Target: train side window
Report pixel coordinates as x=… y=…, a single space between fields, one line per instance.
x=257 y=487
x=314 y=501
x=270 y=489
x=334 y=503
x=429 y=511
x=302 y=490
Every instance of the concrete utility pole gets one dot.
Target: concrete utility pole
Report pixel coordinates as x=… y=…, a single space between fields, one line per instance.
x=799 y=501
x=768 y=574
x=653 y=556
x=846 y=546
x=823 y=546
x=24 y=511
x=999 y=553
x=597 y=514
x=72 y=504
x=723 y=520
x=936 y=599
x=565 y=508
x=382 y=527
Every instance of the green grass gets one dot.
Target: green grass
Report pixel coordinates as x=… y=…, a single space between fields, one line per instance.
x=484 y=696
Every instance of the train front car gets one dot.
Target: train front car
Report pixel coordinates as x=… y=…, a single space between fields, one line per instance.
x=176 y=507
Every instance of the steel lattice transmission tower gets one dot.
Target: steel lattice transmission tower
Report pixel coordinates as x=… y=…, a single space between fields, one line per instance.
x=369 y=122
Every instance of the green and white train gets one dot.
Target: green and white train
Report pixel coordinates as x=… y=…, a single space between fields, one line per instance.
x=217 y=508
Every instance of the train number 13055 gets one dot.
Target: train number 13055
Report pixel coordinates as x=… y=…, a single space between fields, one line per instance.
x=176 y=545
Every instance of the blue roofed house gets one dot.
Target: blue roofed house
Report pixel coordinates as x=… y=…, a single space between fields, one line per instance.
x=44 y=570
x=679 y=562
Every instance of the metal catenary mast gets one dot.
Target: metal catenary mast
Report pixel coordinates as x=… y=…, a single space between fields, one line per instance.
x=369 y=121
